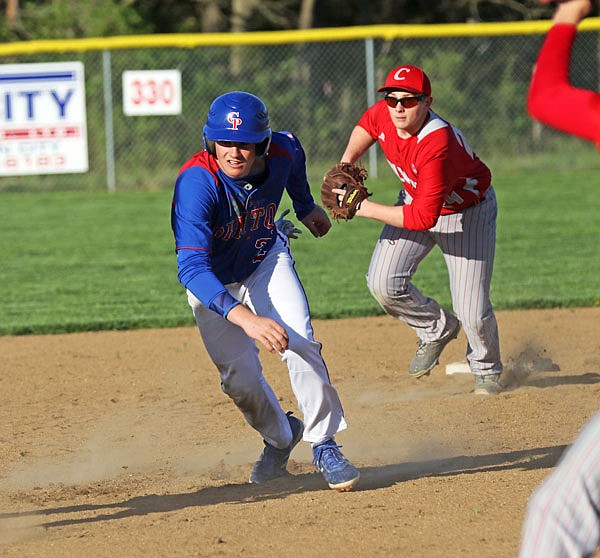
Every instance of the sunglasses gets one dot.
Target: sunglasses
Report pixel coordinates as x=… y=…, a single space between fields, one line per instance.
x=406 y=102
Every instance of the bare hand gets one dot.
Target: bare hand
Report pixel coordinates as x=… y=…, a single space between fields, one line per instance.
x=317 y=222
x=572 y=11
x=341 y=193
x=264 y=330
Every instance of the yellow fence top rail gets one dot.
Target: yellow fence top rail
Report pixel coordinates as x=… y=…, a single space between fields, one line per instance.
x=192 y=40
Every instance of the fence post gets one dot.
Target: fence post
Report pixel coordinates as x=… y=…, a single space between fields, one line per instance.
x=108 y=121
x=370 y=70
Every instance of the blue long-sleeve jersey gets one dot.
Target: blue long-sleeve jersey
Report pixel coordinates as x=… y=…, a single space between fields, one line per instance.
x=224 y=227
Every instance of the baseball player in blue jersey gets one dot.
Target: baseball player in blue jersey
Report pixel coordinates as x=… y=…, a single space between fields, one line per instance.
x=242 y=286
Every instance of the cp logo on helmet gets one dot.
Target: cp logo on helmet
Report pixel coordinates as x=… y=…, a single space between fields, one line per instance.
x=238 y=116
x=234 y=119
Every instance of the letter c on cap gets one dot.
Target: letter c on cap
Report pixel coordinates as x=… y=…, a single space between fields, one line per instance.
x=397 y=76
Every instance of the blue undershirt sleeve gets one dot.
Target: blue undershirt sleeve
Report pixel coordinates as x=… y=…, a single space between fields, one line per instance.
x=221 y=302
x=196 y=275
x=298 y=188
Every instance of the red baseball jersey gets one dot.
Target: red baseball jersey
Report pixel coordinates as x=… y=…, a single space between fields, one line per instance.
x=440 y=172
x=552 y=99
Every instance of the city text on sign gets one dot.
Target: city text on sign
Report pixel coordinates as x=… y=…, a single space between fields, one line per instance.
x=42 y=119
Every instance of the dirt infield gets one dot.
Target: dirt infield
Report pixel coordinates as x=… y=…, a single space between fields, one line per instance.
x=122 y=444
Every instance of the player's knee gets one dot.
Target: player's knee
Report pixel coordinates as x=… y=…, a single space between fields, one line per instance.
x=386 y=293
x=240 y=375
x=238 y=385
x=303 y=345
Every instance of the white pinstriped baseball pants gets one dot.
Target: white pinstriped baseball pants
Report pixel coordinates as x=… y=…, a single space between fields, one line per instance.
x=467 y=241
x=562 y=519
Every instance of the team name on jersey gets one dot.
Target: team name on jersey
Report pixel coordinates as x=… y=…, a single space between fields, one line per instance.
x=256 y=218
x=404 y=178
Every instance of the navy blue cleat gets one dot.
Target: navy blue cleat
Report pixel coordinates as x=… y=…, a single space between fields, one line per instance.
x=339 y=473
x=273 y=461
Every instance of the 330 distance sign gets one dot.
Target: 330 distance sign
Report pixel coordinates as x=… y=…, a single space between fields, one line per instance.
x=151 y=92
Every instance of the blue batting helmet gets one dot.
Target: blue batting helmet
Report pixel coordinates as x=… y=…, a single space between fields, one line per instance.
x=237 y=116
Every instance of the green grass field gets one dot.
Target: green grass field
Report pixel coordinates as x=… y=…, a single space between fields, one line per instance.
x=80 y=261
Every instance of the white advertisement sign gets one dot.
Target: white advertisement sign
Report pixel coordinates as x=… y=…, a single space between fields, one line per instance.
x=151 y=92
x=42 y=119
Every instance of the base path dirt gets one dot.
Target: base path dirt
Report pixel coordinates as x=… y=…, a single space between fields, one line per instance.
x=122 y=444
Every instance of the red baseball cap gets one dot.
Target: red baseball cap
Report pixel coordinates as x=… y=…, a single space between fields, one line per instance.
x=408 y=78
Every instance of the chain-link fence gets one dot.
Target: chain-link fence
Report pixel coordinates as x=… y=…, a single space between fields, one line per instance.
x=318 y=89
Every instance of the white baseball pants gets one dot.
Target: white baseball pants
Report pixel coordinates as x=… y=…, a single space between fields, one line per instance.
x=273 y=290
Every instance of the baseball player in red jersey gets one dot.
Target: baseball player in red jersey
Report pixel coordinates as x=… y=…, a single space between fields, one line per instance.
x=447 y=200
x=563 y=513
x=552 y=99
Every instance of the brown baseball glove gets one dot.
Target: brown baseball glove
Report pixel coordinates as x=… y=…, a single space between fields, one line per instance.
x=350 y=178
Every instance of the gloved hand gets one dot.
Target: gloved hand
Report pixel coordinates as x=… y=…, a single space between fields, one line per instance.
x=287 y=227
